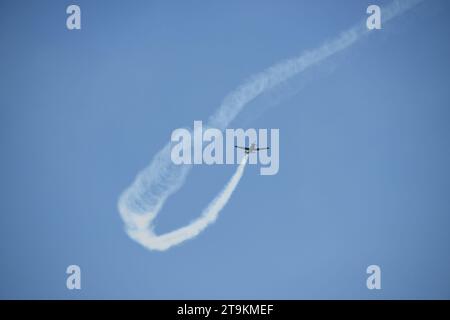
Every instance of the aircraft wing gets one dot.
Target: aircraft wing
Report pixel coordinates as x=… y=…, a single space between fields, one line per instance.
x=257 y=149
x=241 y=147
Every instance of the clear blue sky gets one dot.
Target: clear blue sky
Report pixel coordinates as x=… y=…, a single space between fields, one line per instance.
x=364 y=157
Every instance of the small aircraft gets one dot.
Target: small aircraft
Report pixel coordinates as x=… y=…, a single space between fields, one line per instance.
x=251 y=149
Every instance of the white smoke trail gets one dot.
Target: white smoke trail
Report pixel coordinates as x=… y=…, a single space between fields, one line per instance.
x=150 y=240
x=142 y=201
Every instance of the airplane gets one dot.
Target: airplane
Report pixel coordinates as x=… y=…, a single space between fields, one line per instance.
x=251 y=149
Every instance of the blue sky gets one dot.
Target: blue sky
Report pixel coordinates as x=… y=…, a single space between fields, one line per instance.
x=364 y=150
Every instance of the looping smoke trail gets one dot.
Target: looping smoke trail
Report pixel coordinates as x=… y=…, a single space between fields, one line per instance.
x=142 y=201
x=149 y=239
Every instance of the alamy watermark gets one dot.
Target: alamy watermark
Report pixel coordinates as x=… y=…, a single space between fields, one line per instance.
x=374 y=279
x=73 y=281
x=73 y=21
x=260 y=146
